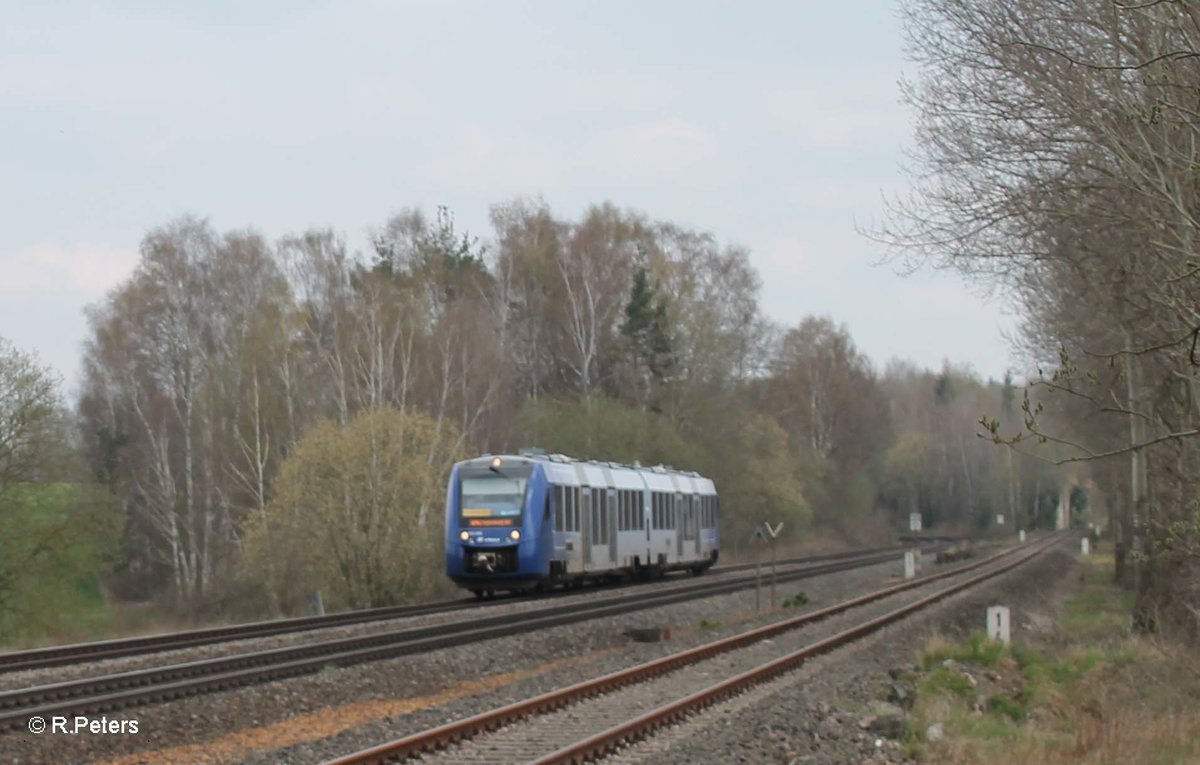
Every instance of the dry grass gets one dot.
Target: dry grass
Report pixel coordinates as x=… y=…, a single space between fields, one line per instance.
x=1092 y=693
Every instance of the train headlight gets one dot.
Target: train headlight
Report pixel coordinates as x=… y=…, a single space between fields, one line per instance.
x=515 y=534
x=464 y=536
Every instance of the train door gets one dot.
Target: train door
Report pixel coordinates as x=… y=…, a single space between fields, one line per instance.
x=697 y=516
x=599 y=544
x=570 y=524
x=598 y=529
x=612 y=526
x=646 y=506
x=678 y=526
x=585 y=525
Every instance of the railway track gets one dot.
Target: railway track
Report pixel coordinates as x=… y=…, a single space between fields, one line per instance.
x=126 y=689
x=54 y=656
x=617 y=709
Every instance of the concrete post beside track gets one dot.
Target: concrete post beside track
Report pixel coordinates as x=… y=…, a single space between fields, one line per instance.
x=998 y=624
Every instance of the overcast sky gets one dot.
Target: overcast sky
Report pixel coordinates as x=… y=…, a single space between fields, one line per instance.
x=774 y=125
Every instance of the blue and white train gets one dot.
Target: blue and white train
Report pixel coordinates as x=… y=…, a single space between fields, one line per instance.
x=531 y=521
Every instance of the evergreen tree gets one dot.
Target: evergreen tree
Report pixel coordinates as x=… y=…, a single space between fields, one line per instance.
x=646 y=329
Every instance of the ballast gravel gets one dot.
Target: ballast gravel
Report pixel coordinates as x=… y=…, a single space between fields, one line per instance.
x=817 y=714
x=344 y=710
x=240 y=724
x=48 y=675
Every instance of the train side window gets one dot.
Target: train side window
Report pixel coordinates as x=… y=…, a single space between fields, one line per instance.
x=568 y=508
x=605 y=509
x=603 y=517
x=558 y=508
x=597 y=510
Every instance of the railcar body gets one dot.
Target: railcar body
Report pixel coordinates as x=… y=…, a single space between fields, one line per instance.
x=531 y=521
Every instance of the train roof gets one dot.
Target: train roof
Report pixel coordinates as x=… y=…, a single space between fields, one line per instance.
x=537 y=455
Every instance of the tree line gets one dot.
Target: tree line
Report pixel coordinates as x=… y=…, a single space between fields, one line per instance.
x=1057 y=155
x=277 y=418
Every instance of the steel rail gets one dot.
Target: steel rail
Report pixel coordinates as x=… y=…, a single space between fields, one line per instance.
x=599 y=745
x=450 y=733
x=116 y=691
x=74 y=653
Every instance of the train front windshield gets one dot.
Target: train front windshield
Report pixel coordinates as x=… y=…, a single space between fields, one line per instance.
x=494 y=497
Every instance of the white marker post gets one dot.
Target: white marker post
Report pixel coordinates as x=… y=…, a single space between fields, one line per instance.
x=774 y=532
x=998 y=627
x=1085 y=546
x=760 y=536
x=914 y=521
x=910 y=565
x=1021 y=535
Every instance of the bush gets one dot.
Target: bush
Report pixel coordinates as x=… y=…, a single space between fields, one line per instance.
x=55 y=542
x=799 y=599
x=356 y=515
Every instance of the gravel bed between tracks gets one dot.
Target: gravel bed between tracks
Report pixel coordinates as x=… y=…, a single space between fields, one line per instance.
x=24 y=679
x=815 y=715
x=526 y=740
x=346 y=709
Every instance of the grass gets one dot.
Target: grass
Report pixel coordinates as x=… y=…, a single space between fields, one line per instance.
x=978 y=650
x=943 y=680
x=799 y=599
x=1091 y=693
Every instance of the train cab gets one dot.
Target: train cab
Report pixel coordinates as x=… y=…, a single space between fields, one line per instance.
x=493 y=524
